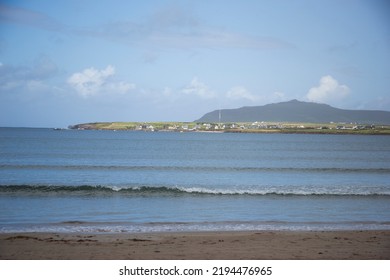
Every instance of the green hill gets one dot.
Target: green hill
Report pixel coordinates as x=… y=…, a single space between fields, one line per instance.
x=297 y=111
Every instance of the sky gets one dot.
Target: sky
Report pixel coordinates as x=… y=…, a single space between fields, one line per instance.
x=69 y=62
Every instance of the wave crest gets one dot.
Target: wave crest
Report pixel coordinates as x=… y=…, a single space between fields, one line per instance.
x=194 y=191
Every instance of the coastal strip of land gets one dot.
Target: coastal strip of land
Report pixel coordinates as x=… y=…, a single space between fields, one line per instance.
x=252 y=127
x=273 y=245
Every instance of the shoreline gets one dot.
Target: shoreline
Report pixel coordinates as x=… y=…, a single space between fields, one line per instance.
x=272 y=245
x=240 y=127
x=276 y=131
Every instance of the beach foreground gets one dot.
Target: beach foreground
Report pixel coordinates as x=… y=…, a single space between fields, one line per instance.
x=275 y=245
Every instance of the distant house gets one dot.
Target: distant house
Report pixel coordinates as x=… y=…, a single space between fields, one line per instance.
x=150 y=127
x=207 y=126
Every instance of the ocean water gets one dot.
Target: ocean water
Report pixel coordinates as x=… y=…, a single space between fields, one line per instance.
x=132 y=181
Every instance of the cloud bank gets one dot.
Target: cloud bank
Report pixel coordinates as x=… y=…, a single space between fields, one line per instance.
x=16 y=80
x=172 y=27
x=91 y=81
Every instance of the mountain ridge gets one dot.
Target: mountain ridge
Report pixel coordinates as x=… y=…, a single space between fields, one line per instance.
x=297 y=111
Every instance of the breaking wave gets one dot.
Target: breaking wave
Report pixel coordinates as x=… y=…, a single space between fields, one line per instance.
x=193 y=191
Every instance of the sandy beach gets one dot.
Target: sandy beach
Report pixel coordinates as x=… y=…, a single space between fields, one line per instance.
x=274 y=245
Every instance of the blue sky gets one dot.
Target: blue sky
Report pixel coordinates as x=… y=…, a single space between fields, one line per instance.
x=68 y=62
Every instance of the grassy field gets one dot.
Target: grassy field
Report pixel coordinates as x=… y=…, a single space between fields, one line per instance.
x=263 y=127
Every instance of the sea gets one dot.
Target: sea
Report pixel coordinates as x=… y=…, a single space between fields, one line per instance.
x=136 y=181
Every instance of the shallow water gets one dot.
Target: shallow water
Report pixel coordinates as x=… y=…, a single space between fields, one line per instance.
x=111 y=181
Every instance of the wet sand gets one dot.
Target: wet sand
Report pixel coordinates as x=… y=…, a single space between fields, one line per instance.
x=272 y=245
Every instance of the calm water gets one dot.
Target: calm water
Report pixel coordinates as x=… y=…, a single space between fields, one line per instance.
x=106 y=181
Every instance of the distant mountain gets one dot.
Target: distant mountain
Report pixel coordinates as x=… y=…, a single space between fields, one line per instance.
x=297 y=111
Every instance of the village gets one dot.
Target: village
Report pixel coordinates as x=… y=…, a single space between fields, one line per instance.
x=194 y=127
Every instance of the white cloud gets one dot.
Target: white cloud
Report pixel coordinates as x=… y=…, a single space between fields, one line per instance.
x=198 y=88
x=327 y=91
x=91 y=81
x=241 y=92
